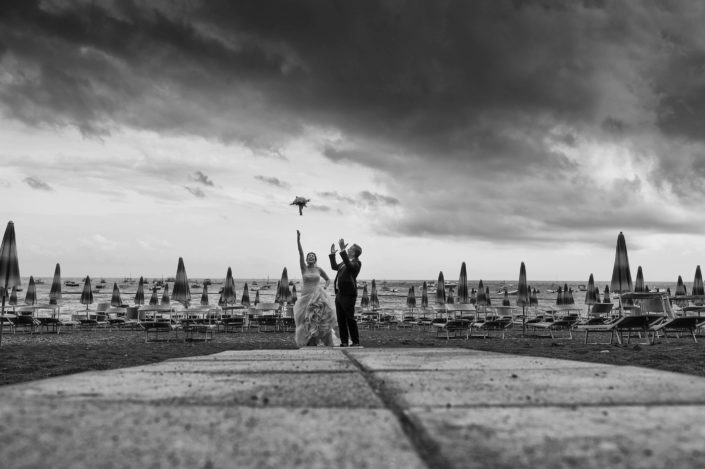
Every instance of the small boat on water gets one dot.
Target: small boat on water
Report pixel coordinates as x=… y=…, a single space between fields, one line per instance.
x=38 y=281
x=100 y=286
x=582 y=288
x=71 y=283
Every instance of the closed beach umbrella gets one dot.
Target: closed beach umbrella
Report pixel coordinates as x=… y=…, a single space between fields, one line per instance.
x=424 y=295
x=590 y=292
x=154 y=300
x=487 y=296
x=55 y=292
x=411 y=298
x=566 y=295
x=560 y=299
x=481 y=299
x=621 y=275
x=13 y=296
x=639 y=286
x=522 y=287
x=204 y=295
x=523 y=296
x=139 y=296
x=571 y=299
x=283 y=289
x=245 y=298
x=473 y=296
x=463 y=294
x=441 y=290
x=607 y=298
x=181 y=291
x=449 y=297
x=31 y=297
x=533 y=298
x=115 y=300
x=229 y=296
x=681 y=291
x=597 y=295
x=221 y=298
x=278 y=294
x=87 y=293
x=165 y=295
x=294 y=296
x=365 y=300
x=374 y=300
x=9 y=268
x=256 y=297
x=505 y=299
x=698 y=288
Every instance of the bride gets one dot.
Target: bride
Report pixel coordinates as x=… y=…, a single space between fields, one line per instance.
x=313 y=311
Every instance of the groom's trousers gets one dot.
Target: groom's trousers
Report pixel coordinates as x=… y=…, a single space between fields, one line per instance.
x=345 y=312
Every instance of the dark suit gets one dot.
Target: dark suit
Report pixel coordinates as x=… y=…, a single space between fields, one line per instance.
x=345 y=296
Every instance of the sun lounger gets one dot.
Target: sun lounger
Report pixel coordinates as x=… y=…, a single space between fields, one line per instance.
x=7 y=324
x=620 y=326
x=686 y=324
x=232 y=324
x=453 y=328
x=484 y=328
x=162 y=328
x=551 y=325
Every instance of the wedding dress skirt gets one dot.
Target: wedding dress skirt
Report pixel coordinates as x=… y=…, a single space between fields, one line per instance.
x=314 y=317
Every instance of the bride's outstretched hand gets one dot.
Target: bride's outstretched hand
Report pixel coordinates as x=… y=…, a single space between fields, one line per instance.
x=332 y=249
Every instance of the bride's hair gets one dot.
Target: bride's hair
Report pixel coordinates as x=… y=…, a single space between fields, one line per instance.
x=315 y=258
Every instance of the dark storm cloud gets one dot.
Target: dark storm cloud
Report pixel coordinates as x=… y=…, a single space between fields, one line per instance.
x=38 y=184
x=272 y=181
x=449 y=101
x=195 y=191
x=201 y=178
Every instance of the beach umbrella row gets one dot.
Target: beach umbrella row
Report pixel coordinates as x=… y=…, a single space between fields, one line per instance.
x=374 y=300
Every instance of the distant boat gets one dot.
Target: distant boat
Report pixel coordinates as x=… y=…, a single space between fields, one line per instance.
x=100 y=286
x=582 y=288
x=39 y=282
x=70 y=283
x=550 y=291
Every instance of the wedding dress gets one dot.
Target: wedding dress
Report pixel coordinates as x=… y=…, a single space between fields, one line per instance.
x=313 y=313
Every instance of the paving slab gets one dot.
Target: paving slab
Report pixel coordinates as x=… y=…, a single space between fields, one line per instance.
x=532 y=387
x=629 y=437
x=137 y=435
x=455 y=359
x=274 y=389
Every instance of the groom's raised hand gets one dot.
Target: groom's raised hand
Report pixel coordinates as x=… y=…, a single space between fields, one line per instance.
x=332 y=249
x=342 y=244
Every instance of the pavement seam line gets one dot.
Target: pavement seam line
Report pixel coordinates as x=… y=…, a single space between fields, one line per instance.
x=425 y=447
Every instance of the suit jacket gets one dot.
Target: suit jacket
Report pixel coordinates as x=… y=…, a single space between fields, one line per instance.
x=346 y=278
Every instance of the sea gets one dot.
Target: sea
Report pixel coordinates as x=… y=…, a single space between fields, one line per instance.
x=392 y=294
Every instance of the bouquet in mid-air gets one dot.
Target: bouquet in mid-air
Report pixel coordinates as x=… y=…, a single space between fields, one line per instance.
x=301 y=202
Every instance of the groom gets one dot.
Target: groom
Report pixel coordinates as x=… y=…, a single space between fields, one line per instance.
x=346 y=290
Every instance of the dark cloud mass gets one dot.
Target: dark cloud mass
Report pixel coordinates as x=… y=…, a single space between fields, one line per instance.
x=201 y=178
x=195 y=191
x=272 y=181
x=38 y=184
x=451 y=100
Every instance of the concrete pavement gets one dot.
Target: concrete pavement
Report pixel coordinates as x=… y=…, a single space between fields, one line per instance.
x=356 y=408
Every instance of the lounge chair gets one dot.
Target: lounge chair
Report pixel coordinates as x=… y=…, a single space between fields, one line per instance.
x=387 y=319
x=455 y=328
x=266 y=317
x=161 y=328
x=620 y=326
x=686 y=324
x=552 y=325
x=7 y=323
x=485 y=328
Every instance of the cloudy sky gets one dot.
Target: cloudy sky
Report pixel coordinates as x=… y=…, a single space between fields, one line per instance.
x=430 y=133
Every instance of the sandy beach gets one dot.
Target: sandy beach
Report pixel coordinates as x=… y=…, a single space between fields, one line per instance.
x=27 y=357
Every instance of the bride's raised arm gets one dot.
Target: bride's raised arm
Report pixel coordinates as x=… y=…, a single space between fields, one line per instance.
x=301 y=252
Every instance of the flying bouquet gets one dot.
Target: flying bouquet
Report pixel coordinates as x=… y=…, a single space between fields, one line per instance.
x=301 y=202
